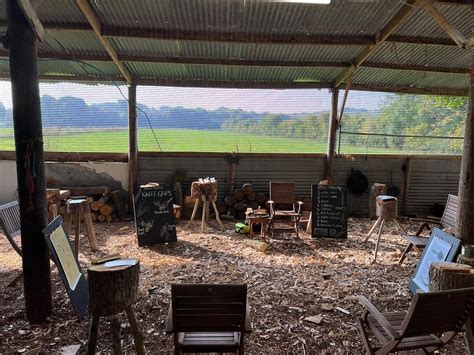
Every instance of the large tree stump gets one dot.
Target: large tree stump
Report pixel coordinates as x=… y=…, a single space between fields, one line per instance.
x=449 y=276
x=111 y=291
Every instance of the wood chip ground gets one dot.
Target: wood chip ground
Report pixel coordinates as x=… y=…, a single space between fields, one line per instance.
x=293 y=280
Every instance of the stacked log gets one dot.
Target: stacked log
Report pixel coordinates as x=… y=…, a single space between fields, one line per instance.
x=236 y=204
x=105 y=206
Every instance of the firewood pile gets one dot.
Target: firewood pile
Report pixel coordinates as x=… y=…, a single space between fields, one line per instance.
x=236 y=204
x=105 y=205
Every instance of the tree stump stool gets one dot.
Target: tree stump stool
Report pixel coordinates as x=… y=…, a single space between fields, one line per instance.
x=386 y=211
x=113 y=290
x=79 y=209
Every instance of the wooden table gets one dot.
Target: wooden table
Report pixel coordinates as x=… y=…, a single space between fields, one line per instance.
x=263 y=220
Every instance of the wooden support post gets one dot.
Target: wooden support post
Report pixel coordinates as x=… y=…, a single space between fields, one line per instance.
x=29 y=164
x=132 y=143
x=406 y=185
x=332 y=135
x=465 y=228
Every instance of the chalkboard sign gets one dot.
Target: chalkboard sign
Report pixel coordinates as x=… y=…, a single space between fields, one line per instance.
x=68 y=266
x=153 y=207
x=329 y=211
x=440 y=247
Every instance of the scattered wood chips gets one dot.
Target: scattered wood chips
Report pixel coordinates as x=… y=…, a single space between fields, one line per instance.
x=301 y=291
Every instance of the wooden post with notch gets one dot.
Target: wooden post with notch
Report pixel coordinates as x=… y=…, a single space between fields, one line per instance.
x=132 y=143
x=22 y=43
x=332 y=136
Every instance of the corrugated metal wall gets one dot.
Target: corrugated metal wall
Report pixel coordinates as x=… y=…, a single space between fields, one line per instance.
x=430 y=180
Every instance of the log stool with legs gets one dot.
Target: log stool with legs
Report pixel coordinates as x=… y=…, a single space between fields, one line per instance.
x=78 y=208
x=204 y=190
x=113 y=290
x=386 y=211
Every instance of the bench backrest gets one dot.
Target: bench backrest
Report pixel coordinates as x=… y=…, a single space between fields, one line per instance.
x=282 y=192
x=10 y=223
x=208 y=307
x=438 y=312
x=450 y=215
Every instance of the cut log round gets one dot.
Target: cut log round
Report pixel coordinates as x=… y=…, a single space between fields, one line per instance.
x=101 y=218
x=221 y=206
x=109 y=218
x=252 y=196
x=448 y=276
x=261 y=198
x=254 y=205
x=94 y=216
x=229 y=200
x=96 y=205
x=247 y=188
x=240 y=206
x=239 y=195
x=107 y=209
x=112 y=290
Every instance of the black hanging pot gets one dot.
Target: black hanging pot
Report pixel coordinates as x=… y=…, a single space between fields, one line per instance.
x=357 y=183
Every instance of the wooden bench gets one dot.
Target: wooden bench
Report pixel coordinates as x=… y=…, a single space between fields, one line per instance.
x=448 y=220
x=208 y=317
x=432 y=320
x=10 y=223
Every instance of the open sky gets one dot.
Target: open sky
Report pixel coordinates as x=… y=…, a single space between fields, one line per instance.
x=275 y=101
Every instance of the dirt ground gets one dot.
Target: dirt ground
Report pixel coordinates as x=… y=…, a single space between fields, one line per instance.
x=292 y=280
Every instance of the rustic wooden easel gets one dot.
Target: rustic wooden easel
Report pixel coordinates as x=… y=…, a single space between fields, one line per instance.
x=204 y=190
x=386 y=211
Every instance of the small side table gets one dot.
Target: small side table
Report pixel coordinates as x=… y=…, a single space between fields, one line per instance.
x=79 y=209
x=263 y=220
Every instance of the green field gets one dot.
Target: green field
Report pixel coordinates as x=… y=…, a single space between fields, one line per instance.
x=178 y=140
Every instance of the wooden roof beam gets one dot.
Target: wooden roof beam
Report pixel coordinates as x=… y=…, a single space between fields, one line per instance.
x=96 y=25
x=382 y=35
x=243 y=62
x=444 y=23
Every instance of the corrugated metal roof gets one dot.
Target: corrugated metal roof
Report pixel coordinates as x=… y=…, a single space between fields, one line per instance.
x=231 y=72
x=428 y=55
x=256 y=17
x=222 y=50
x=406 y=78
x=420 y=23
x=66 y=67
x=250 y=16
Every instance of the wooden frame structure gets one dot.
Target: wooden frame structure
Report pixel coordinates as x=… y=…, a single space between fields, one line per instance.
x=25 y=29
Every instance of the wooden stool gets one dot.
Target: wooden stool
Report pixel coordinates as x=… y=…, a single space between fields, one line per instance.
x=205 y=190
x=79 y=208
x=113 y=290
x=386 y=211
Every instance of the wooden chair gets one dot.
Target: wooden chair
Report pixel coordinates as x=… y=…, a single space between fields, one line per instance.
x=10 y=223
x=432 y=320
x=284 y=193
x=208 y=317
x=448 y=220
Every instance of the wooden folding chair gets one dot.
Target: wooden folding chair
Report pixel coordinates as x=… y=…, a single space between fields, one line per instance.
x=10 y=223
x=284 y=193
x=432 y=320
x=208 y=318
x=448 y=220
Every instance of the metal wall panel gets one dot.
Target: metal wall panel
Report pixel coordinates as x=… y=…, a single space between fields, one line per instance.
x=431 y=180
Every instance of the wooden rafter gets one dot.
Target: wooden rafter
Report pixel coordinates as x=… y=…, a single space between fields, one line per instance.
x=96 y=25
x=244 y=62
x=444 y=23
x=382 y=35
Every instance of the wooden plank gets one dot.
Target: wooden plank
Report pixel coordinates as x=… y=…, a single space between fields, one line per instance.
x=29 y=165
x=132 y=143
x=407 y=8
x=96 y=25
x=30 y=14
x=444 y=23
